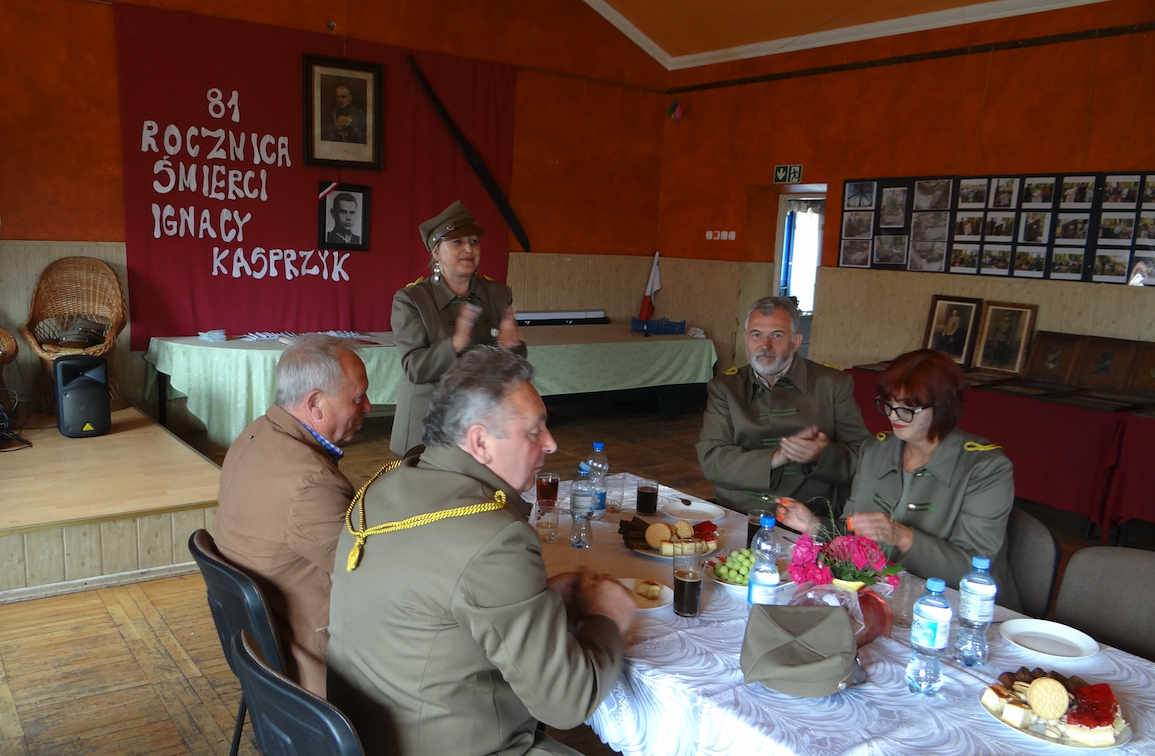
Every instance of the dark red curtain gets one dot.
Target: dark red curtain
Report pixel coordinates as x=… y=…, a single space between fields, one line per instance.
x=168 y=63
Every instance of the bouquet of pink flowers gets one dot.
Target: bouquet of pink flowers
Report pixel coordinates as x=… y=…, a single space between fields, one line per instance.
x=846 y=557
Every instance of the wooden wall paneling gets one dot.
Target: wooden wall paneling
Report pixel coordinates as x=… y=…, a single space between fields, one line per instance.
x=12 y=561
x=11 y=732
x=211 y=520
x=82 y=551
x=155 y=538
x=118 y=546
x=184 y=524
x=44 y=556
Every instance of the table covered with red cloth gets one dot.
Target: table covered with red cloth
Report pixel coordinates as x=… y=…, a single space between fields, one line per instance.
x=1131 y=494
x=1064 y=456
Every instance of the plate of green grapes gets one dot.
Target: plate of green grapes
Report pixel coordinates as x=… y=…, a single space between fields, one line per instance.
x=732 y=570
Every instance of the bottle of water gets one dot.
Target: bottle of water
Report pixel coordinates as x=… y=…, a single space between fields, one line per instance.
x=976 y=608
x=764 y=577
x=599 y=468
x=581 y=507
x=929 y=633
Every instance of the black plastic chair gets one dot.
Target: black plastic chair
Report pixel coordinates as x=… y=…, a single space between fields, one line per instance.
x=287 y=719
x=237 y=604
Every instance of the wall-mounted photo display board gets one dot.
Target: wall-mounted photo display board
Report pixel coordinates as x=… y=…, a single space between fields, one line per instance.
x=1062 y=226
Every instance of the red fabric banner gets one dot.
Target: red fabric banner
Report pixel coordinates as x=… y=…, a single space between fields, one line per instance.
x=221 y=210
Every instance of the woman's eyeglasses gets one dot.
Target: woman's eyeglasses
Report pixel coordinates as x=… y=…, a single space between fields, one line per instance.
x=904 y=414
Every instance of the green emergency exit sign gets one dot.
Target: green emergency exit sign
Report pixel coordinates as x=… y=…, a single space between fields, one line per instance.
x=787 y=174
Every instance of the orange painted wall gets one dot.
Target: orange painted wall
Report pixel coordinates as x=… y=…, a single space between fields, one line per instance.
x=60 y=166
x=1078 y=106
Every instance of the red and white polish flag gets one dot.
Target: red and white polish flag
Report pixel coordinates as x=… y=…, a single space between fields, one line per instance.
x=652 y=286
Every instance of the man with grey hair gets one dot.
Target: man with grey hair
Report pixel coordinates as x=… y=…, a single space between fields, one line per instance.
x=447 y=637
x=781 y=425
x=282 y=499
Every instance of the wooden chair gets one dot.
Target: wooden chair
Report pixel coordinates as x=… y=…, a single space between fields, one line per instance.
x=1107 y=593
x=69 y=288
x=1033 y=554
x=287 y=719
x=236 y=604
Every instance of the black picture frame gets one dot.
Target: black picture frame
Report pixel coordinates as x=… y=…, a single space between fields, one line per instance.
x=344 y=135
x=332 y=199
x=959 y=316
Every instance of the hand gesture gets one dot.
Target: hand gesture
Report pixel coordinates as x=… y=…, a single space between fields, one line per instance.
x=463 y=328
x=794 y=514
x=508 y=334
x=601 y=594
x=804 y=447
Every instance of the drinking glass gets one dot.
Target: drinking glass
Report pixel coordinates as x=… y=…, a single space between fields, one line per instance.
x=647 y=496
x=615 y=492
x=547 y=520
x=902 y=598
x=688 y=555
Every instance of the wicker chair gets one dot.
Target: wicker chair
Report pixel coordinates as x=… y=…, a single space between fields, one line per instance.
x=8 y=351
x=69 y=288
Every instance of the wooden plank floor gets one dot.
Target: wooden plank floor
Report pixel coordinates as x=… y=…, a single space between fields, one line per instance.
x=139 y=670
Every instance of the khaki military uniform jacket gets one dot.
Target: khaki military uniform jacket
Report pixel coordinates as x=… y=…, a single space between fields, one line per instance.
x=423 y=321
x=958 y=506
x=744 y=422
x=445 y=638
x=282 y=503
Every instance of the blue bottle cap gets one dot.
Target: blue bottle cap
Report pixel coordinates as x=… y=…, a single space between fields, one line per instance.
x=598 y=446
x=935 y=585
x=583 y=468
x=981 y=562
x=768 y=521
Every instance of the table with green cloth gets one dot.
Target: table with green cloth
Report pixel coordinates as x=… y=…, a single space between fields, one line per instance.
x=231 y=383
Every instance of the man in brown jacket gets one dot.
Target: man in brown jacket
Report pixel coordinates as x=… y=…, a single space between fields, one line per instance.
x=782 y=425
x=283 y=500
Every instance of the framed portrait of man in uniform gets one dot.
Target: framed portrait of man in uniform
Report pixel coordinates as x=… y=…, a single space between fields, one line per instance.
x=344 y=113
x=950 y=327
x=343 y=216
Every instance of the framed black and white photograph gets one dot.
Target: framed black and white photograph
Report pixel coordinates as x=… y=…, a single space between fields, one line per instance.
x=1142 y=271
x=344 y=113
x=1030 y=262
x=1039 y=192
x=951 y=326
x=857 y=225
x=1066 y=265
x=972 y=193
x=1005 y=336
x=1145 y=232
x=999 y=227
x=343 y=216
x=890 y=250
x=1005 y=193
x=996 y=260
x=859 y=195
x=1149 y=192
x=932 y=194
x=1078 y=192
x=927 y=256
x=964 y=258
x=1116 y=229
x=968 y=226
x=892 y=208
x=929 y=227
x=1110 y=265
x=1035 y=228
x=1071 y=228
x=1121 y=192
x=855 y=254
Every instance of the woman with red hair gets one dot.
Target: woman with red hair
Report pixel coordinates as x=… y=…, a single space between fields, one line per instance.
x=933 y=494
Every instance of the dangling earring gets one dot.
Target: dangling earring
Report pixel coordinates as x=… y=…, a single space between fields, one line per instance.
x=436 y=272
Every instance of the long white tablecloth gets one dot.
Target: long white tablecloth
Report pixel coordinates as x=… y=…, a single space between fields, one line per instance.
x=231 y=383
x=682 y=690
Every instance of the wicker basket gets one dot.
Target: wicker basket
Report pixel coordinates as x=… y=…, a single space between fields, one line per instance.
x=8 y=351
x=69 y=288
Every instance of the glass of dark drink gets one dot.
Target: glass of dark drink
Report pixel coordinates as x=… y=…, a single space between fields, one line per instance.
x=546 y=486
x=647 y=496
x=688 y=555
x=753 y=523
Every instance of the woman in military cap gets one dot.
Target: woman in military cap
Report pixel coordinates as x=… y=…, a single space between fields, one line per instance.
x=932 y=494
x=436 y=319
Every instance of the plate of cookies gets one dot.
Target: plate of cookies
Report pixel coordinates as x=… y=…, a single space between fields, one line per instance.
x=660 y=539
x=648 y=594
x=1063 y=710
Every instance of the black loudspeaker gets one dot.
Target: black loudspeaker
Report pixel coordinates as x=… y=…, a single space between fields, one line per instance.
x=82 y=398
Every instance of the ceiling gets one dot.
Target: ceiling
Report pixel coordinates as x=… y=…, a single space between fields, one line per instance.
x=687 y=33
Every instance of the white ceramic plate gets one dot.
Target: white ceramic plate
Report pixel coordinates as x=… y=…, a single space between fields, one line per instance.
x=737 y=589
x=698 y=511
x=1120 y=738
x=644 y=604
x=1049 y=638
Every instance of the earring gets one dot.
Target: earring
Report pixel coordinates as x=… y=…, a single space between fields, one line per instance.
x=436 y=272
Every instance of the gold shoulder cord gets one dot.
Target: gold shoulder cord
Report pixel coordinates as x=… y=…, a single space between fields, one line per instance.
x=362 y=533
x=881 y=435
x=976 y=446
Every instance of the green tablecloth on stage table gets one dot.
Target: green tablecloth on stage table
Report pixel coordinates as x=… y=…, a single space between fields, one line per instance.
x=230 y=383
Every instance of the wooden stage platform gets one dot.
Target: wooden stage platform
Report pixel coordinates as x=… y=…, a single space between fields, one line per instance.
x=78 y=513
